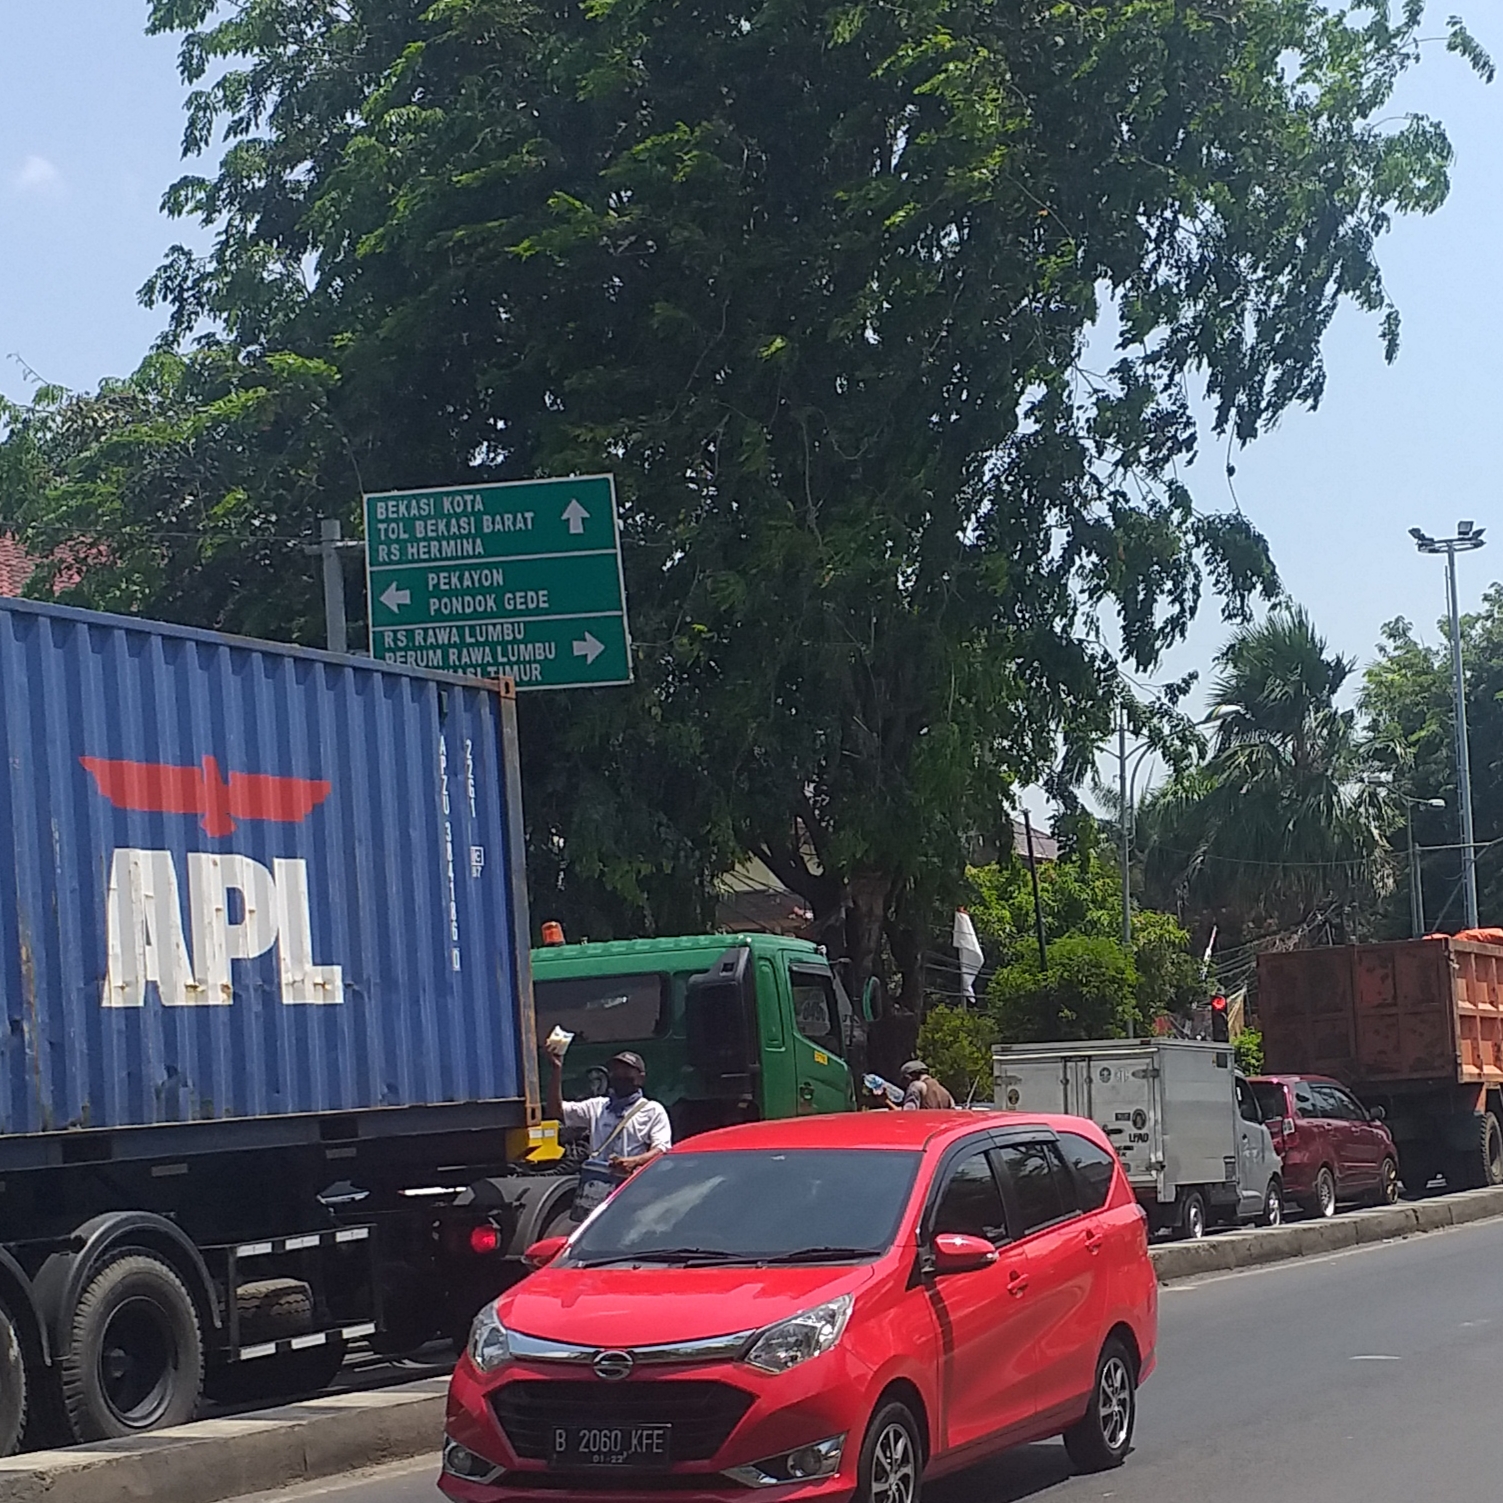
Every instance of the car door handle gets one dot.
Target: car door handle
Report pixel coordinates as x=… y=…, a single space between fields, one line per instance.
x=1017 y=1283
x=1093 y=1242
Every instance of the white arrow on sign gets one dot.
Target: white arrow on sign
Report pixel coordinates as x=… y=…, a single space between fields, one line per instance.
x=393 y=598
x=589 y=647
x=576 y=516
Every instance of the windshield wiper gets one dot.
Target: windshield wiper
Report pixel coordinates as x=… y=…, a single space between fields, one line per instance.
x=666 y=1255
x=822 y=1255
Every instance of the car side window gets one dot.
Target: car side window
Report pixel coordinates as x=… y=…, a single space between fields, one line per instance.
x=1031 y=1171
x=1094 y=1167
x=1329 y=1103
x=971 y=1203
x=1351 y=1108
x=815 y=1013
x=1247 y=1103
x=1064 y=1178
x=1304 y=1100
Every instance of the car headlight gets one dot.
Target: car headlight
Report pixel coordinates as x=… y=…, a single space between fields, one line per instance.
x=804 y=1336
x=489 y=1344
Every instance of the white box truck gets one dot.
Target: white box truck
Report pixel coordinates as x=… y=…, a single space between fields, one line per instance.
x=1185 y=1123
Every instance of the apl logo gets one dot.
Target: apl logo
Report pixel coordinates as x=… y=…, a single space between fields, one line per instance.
x=146 y=941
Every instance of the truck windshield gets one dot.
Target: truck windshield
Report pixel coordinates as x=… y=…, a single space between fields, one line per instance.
x=752 y=1206
x=601 y=1009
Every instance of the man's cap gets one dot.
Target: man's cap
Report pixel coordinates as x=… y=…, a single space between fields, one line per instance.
x=631 y=1060
x=915 y=1067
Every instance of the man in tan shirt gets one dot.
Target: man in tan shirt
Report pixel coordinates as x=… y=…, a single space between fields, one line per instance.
x=922 y=1092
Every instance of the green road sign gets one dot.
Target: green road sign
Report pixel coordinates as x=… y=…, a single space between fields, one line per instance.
x=522 y=578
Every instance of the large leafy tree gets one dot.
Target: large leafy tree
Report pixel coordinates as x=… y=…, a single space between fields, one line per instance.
x=815 y=281
x=1409 y=718
x=1281 y=825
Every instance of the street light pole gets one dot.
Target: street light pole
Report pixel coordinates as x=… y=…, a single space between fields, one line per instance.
x=1124 y=814
x=1468 y=537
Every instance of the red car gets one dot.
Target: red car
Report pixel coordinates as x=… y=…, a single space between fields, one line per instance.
x=1333 y=1149
x=830 y=1307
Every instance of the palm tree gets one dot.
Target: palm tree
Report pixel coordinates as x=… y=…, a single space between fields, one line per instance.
x=1276 y=828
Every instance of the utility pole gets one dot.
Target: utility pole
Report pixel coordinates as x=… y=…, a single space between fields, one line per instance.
x=1038 y=909
x=1468 y=538
x=1416 y=881
x=331 y=545
x=1124 y=821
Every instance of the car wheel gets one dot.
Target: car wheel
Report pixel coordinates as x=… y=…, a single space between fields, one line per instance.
x=136 y=1358
x=1192 y=1219
x=892 y=1458
x=1388 y=1184
x=1273 y=1205
x=1323 y=1201
x=1103 y=1438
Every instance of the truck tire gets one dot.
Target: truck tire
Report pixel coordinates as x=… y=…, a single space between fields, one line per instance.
x=1273 y=1205
x=135 y=1361
x=271 y=1309
x=1192 y=1217
x=12 y=1387
x=1487 y=1165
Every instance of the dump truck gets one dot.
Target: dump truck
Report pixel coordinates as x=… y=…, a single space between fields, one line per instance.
x=266 y=1035
x=1414 y=1027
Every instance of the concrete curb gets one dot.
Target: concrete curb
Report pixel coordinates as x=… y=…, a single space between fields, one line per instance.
x=228 y=1458
x=1250 y=1249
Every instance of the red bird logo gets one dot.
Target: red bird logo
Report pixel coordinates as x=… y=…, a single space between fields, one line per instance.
x=158 y=788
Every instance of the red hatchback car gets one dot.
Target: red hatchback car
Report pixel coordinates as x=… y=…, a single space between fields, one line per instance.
x=1333 y=1149
x=831 y=1307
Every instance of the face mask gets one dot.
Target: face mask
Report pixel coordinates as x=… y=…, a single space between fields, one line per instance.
x=622 y=1090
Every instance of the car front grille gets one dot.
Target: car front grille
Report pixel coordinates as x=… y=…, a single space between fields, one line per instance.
x=702 y=1414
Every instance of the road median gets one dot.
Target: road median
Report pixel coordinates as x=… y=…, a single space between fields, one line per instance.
x=1230 y=1251
x=218 y=1459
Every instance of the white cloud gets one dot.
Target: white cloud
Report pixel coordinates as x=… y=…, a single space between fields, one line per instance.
x=38 y=176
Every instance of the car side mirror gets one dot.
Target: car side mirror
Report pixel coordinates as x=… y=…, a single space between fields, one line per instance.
x=541 y=1254
x=955 y=1252
x=871 y=999
x=1376 y=1114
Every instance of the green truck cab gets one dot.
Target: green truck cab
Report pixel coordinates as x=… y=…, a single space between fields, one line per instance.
x=732 y=1027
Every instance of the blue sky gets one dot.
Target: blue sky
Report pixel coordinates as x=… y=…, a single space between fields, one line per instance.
x=90 y=123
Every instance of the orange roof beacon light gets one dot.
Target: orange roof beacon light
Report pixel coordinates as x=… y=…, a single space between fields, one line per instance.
x=553 y=933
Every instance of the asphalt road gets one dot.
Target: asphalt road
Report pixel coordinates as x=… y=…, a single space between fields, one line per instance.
x=1371 y=1376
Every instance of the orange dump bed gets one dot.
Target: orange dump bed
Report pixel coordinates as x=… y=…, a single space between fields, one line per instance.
x=1415 y=1010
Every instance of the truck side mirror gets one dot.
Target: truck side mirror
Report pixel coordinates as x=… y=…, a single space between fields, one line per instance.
x=872 y=1001
x=720 y=1017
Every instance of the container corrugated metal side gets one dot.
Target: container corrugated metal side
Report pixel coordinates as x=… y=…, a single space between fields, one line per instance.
x=245 y=881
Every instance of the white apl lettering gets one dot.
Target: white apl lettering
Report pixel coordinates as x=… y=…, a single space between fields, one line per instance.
x=146 y=943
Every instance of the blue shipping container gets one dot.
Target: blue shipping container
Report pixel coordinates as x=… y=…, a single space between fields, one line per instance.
x=239 y=880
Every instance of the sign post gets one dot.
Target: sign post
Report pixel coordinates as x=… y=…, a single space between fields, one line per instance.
x=521 y=578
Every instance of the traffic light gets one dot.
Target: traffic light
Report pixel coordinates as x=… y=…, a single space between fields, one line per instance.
x=1219 y=1033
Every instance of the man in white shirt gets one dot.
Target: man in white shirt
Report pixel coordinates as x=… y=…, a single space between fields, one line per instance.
x=627 y=1131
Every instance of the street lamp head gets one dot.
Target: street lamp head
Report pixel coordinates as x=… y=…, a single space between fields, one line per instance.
x=1434 y=803
x=1463 y=529
x=1418 y=536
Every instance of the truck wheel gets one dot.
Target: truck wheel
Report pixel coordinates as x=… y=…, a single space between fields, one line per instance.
x=136 y=1357
x=1489 y=1166
x=1192 y=1219
x=12 y=1387
x=1273 y=1205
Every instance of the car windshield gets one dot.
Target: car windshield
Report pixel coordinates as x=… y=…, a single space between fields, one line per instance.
x=1270 y=1099
x=754 y=1205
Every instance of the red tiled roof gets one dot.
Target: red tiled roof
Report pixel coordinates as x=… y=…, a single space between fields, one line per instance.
x=16 y=566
